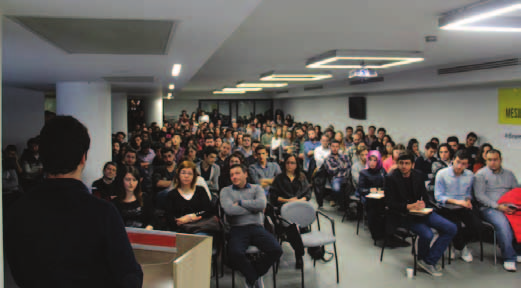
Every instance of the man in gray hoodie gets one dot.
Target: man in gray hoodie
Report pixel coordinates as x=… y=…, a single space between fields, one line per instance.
x=244 y=205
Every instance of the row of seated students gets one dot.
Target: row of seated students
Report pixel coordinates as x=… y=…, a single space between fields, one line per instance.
x=161 y=177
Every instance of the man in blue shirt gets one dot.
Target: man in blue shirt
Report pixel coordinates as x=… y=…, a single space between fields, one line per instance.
x=263 y=172
x=453 y=190
x=309 y=150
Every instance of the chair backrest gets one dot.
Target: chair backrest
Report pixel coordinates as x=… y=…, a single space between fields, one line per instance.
x=300 y=213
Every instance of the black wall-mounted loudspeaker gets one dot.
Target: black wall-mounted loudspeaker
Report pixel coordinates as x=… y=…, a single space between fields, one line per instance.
x=357 y=108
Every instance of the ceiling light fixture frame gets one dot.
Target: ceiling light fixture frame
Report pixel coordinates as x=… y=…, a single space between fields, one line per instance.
x=393 y=58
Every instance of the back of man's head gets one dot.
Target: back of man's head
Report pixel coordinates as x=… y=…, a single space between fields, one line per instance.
x=63 y=142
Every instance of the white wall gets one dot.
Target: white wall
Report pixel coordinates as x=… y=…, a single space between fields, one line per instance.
x=420 y=114
x=22 y=116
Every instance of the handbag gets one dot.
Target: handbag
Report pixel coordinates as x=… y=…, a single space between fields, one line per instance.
x=205 y=225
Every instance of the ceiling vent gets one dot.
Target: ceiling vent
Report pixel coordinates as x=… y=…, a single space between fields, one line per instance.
x=130 y=79
x=480 y=66
x=366 y=80
x=313 y=87
x=102 y=36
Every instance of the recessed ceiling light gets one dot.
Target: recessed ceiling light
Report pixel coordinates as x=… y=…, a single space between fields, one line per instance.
x=261 y=85
x=169 y=94
x=171 y=86
x=371 y=59
x=276 y=76
x=243 y=89
x=229 y=92
x=176 y=70
x=483 y=16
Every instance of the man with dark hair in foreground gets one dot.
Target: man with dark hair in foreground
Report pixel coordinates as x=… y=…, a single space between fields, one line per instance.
x=58 y=234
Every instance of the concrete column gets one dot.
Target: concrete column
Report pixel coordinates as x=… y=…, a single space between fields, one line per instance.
x=90 y=103
x=119 y=113
x=154 y=109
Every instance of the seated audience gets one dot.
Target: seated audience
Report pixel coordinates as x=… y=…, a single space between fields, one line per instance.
x=372 y=180
x=454 y=186
x=413 y=147
x=191 y=154
x=106 y=187
x=235 y=158
x=226 y=148
x=322 y=152
x=454 y=144
x=405 y=192
x=187 y=202
x=445 y=160
x=309 y=150
x=176 y=147
x=482 y=156
x=338 y=169
x=209 y=170
x=243 y=205
x=424 y=162
x=164 y=177
x=115 y=151
x=245 y=148
x=32 y=165
x=388 y=151
x=473 y=151
x=263 y=172
x=351 y=151
x=391 y=163
x=135 y=208
x=490 y=183
x=291 y=185
x=359 y=165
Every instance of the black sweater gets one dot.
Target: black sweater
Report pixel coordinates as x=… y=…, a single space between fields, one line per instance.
x=283 y=187
x=59 y=235
x=177 y=206
x=134 y=214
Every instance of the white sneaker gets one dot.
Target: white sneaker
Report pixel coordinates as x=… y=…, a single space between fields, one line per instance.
x=466 y=255
x=510 y=266
x=259 y=283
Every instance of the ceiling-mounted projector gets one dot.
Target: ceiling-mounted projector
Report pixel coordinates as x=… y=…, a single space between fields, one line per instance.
x=363 y=73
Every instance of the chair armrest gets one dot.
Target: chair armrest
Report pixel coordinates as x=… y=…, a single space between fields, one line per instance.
x=328 y=218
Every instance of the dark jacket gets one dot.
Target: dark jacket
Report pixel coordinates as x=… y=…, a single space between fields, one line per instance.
x=283 y=187
x=59 y=235
x=370 y=178
x=396 y=198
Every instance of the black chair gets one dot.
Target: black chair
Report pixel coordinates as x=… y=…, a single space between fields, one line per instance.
x=253 y=251
x=402 y=233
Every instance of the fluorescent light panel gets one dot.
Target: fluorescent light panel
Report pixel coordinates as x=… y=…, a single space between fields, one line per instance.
x=229 y=92
x=469 y=18
x=169 y=94
x=275 y=76
x=176 y=70
x=171 y=86
x=396 y=58
x=261 y=85
x=243 y=89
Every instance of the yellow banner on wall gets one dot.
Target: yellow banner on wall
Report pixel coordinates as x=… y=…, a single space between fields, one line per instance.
x=509 y=106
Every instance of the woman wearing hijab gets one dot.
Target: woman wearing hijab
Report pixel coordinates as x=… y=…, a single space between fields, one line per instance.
x=371 y=180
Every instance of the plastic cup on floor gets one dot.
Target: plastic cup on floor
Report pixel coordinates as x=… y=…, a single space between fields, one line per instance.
x=409 y=272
